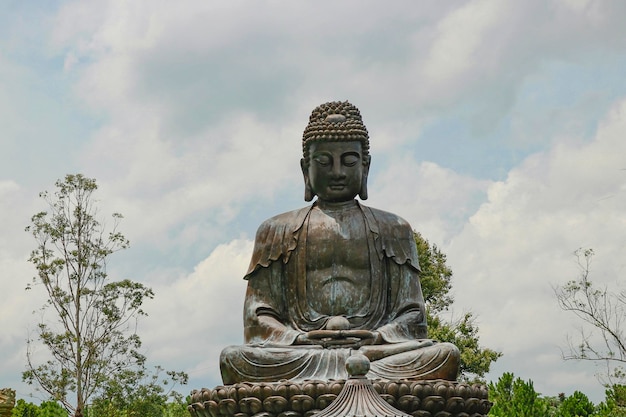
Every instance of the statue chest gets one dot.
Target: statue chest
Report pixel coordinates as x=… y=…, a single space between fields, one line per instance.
x=338 y=278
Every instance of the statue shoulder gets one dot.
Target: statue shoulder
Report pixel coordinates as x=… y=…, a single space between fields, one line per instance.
x=288 y=220
x=276 y=238
x=389 y=221
x=395 y=236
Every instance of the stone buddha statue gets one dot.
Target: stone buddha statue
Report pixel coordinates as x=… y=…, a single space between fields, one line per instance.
x=335 y=278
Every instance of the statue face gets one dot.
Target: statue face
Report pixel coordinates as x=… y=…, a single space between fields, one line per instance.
x=335 y=170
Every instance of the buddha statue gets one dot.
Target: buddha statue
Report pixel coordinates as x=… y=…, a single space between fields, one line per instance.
x=335 y=278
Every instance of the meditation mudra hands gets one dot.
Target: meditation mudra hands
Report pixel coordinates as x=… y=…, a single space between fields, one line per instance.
x=337 y=333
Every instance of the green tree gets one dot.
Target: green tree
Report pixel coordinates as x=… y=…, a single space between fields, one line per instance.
x=139 y=393
x=436 y=283
x=513 y=397
x=475 y=359
x=553 y=404
x=45 y=409
x=52 y=409
x=436 y=275
x=615 y=403
x=92 y=339
x=177 y=408
x=576 y=405
x=603 y=312
x=24 y=409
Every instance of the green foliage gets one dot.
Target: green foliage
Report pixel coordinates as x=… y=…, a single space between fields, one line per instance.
x=177 y=408
x=553 y=405
x=615 y=403
x=24 y=409
x=139 y=408
x=576 y=405
x=139 y=393
x=159 y=407
x=436 y=284
x=475 y=360
x=92 y=340
x=46 y=409
x=513 y=397
x=52 y=409
x=435 y=277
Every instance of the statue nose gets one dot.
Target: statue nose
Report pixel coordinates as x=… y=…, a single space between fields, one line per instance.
x=337 y=171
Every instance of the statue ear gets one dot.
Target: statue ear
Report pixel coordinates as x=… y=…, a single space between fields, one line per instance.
x=308 y=190
x=366 y=171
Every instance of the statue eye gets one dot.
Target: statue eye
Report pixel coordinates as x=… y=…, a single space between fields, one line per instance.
x=350 y=160
x=323 y=160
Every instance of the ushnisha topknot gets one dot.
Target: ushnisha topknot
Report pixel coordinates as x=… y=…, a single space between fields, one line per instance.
x=335 y=121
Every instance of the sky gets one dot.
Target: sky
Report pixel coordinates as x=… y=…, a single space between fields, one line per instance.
x=497 y=130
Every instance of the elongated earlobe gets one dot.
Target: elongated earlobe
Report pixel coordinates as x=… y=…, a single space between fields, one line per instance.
x=363 y=191
x=366 y=170
x=308 y=190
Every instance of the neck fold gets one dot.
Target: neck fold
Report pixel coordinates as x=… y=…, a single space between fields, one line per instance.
x=336 y=206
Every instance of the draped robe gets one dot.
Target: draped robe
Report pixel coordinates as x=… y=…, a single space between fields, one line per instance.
x=277 y=308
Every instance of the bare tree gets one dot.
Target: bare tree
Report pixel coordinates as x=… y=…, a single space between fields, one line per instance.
x=92 y=336
x=601 y=338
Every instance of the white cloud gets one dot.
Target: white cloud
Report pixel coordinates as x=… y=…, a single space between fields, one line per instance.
x=194 y=317
x=460 y=37
x=521 y=241
x=159 y=183
x=18 y=304
x=434 y=200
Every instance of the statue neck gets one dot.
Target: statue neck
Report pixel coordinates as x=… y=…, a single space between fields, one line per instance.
x=336 y=206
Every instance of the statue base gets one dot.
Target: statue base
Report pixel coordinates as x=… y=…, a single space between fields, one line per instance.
x=7 y=401
x=423 y=398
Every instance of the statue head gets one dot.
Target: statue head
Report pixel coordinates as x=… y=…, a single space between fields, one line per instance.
x=335 y=134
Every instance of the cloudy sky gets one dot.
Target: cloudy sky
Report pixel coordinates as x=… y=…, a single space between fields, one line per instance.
x=497 y=130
